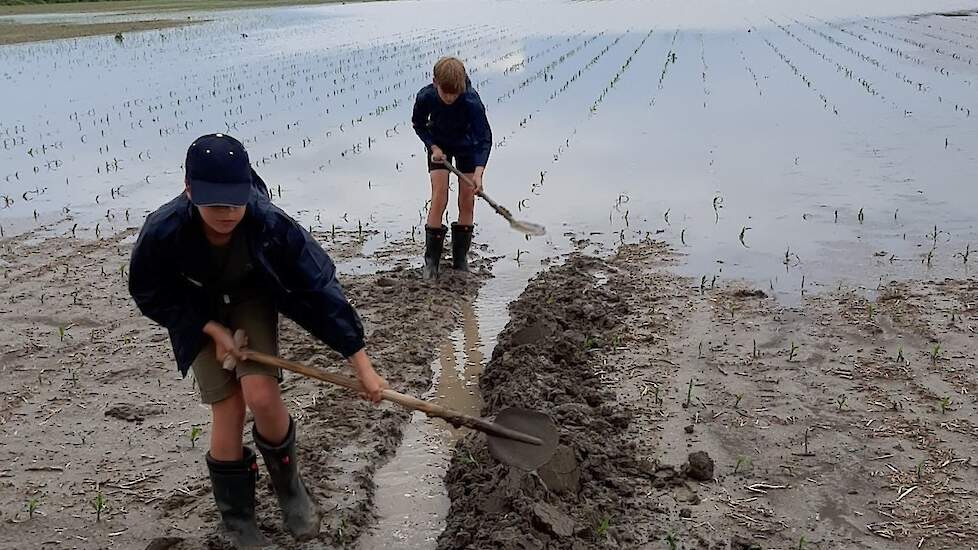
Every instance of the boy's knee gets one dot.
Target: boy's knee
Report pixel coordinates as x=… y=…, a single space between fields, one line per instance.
x=262 y=395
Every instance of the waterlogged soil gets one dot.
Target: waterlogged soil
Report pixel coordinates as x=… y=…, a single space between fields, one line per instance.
x=710 y=416
x=92 y=403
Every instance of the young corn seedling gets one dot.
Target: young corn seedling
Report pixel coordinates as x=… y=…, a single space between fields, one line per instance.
x=741 y=461
x=689 y=394
x=964 y=255
x=98 y=503
x=672 y=541
x=738 y=397
x=900 y=359
x=841 y=401
x=870 y=311
x=935 y=353
x=945 y=404
x=920 y=470
x=195 y=432
x=602 y=528
x=31 y=507
x=743 y=231
x=792 y=351
x=801 y=543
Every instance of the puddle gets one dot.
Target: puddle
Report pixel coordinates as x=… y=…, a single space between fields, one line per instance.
x=411 y=501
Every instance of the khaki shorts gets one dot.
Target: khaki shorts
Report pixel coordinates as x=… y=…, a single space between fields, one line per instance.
x=259 y=319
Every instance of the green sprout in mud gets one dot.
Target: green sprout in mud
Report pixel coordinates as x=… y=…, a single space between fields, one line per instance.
x=841 y=401
x=945 y=404
x=792 y=352
x=340 y=535
x=935 y=353
x=929 y=258
x=871 y=311
x=920 y=470
x=689 y=393
x=754 y=354
x=738 y=397
x=195 y=432
x=741 y=461
x=590 y=343
x=61 y=333
x=801 y=543
x=602 y=528
x=671 y=541
x=703 y=284
x=900 y=359
x=31 y=507
x=98 y=504
x=468 y=458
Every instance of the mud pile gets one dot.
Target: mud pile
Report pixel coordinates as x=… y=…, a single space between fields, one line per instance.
x=545 y=360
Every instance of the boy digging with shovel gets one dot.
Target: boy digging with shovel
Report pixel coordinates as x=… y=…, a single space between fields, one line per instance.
x=450 y=119
x=220 y=257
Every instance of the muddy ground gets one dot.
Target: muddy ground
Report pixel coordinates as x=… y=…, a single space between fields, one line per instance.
x=702 y=416
x=691 y=415
x=91 y=402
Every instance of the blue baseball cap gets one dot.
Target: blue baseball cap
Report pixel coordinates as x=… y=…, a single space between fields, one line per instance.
x=218 y=171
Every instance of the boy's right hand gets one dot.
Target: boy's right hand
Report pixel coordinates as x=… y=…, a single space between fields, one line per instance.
x=224 y=343
x=437 y=155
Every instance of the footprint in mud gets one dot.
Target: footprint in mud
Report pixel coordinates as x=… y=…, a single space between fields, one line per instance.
x=133 y=413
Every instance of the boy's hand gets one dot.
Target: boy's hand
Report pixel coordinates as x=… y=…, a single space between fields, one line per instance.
x=373 y=384
x=437 y=155
x=477 y=180
x=224 y=343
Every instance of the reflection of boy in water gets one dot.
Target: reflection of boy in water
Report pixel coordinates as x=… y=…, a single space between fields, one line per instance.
x=450 y=119
x=221 y=257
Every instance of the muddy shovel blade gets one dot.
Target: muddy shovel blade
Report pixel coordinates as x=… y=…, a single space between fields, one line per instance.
x=529 y=228
x=525 y=456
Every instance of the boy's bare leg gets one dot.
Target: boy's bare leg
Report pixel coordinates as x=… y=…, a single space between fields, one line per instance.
x=227 y=423
x=439 y=197
x=466 y=202
x=261 y=394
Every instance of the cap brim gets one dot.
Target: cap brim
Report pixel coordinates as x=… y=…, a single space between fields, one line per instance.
x=203 y=193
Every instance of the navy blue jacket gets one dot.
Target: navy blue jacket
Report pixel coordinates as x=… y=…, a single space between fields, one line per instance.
x=461 y=127
x=170 y=260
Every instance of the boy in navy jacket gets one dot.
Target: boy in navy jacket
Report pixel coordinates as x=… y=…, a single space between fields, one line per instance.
x=220 y=257
x=450 y=119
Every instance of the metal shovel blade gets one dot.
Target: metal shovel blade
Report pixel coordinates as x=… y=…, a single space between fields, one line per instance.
x=528 y=228
x=525 y=456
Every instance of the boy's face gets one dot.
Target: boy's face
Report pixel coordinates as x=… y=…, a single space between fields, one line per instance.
x=445 y=96
x=221 y=219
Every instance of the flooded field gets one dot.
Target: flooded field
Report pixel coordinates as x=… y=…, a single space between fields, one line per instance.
x=804 y=151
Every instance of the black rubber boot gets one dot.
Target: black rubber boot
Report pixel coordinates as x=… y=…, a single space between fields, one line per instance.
x=461 y=241
x=434 y=242
x=233 y=483
x=298 y=509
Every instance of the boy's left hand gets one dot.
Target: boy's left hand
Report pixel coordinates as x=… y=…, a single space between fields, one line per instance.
x=477 y=180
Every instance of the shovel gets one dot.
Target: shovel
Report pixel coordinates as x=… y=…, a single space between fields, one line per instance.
x=528 y=228
x=519 y=437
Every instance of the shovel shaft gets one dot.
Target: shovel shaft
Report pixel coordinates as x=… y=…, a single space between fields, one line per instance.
x=501 y=210
x=455 y=418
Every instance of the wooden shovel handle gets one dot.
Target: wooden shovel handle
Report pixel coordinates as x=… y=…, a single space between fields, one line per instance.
x=501 y=210
x=455 y=418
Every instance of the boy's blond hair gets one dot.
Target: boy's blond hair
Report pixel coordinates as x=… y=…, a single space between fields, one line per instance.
x=450 y=75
